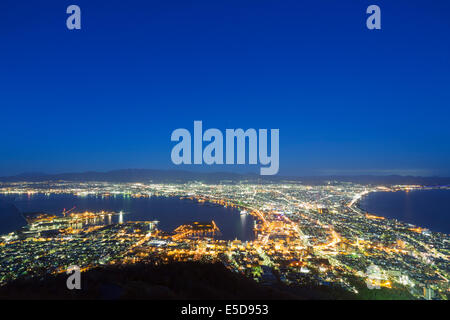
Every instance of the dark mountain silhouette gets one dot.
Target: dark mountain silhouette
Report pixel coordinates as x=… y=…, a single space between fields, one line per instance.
x=173 y=281
x=125 y=175
x=146 y=175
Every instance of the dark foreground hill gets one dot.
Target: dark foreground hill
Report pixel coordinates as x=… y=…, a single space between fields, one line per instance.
x=172 y=281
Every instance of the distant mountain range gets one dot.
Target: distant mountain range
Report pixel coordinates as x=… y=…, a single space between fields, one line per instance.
x=150 y=175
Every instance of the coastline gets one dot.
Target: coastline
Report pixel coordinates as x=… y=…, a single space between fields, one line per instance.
x=387 y=213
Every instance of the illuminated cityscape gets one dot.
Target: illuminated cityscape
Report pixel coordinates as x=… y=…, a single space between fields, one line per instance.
x=303 y=234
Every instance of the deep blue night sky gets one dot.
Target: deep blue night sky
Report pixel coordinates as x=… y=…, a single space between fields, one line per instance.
x=347 y=100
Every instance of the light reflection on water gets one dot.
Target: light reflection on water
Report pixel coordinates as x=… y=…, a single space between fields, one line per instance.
x=424 y=208
x=170 y=212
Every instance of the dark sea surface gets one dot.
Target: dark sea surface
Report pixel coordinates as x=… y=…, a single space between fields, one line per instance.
x=10 y=217
x=170 y=212
x=424 y=208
